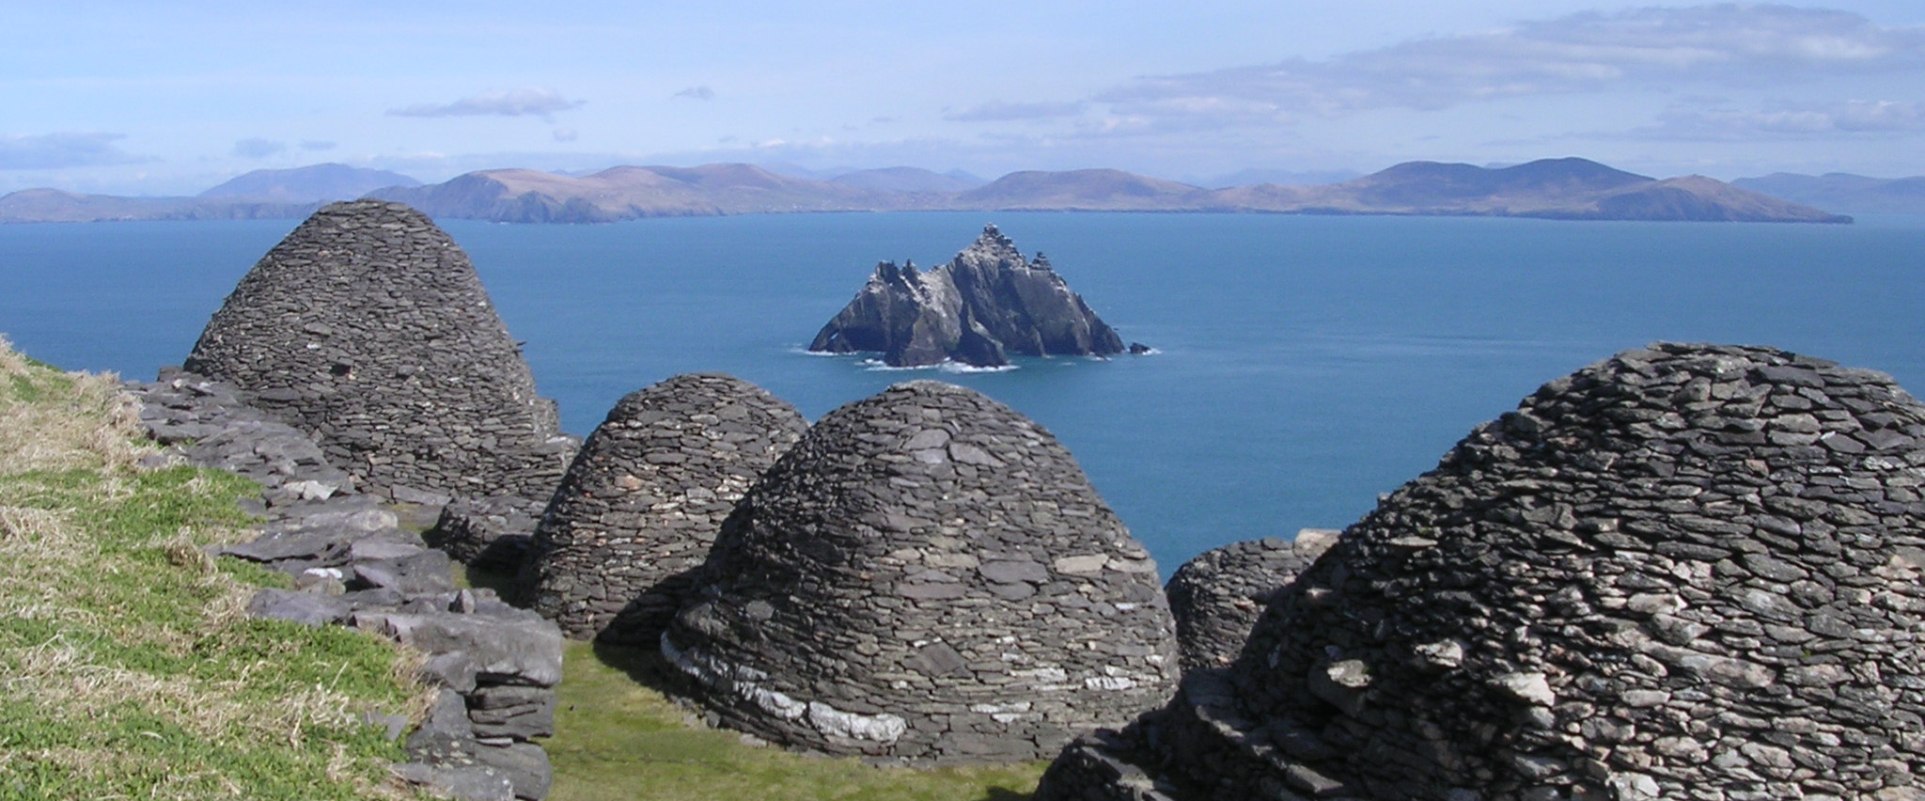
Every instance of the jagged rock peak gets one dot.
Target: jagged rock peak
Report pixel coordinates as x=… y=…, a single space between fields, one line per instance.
x=985 y=303
x=1687 y=571
x=368 y=328
x=927 y=575
x=993 y=246
x=644 y=498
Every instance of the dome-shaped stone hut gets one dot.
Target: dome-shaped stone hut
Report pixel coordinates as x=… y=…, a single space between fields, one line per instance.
x=643 y=501
x=927 y=575
x=1684 y=572
x=368 y=328
x=1216 y=596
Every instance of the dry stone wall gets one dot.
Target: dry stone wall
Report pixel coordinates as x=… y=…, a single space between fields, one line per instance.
x=644 y=499
x=1686 y=572
x=368 y=328
x=1217 y=596
x=495 y=666
x=927 y=576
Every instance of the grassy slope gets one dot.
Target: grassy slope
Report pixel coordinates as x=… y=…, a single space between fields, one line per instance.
x=126 y=667
x=128 y=671
x=615 y=738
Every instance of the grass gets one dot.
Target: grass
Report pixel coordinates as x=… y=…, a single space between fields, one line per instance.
x=617 y=738
x=127 y=669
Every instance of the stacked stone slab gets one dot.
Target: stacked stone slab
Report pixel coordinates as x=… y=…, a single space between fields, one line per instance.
x=926 y=576
x=1217 y=596
x=491 y=533
x=368 y=328
x=495 y=667
x=644 y=499
x=1687 y=572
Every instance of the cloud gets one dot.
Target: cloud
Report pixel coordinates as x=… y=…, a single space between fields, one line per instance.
x=512 y=103
x=62 y=150
x=1718 y=122
x=999 y=111
x=1722 y=44
x=566 y=134
x=317 y=144
x=258 y=148
x=696 y=93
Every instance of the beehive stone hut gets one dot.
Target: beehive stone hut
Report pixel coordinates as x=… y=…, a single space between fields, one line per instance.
x=928 y=576
x=1686 y=572
x=1217 y=596
x=368 y=328
x=645 y=498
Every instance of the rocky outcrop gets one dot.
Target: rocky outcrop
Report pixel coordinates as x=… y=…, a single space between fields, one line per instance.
x=368 y=328
x=643 y=501
x=1217 y=596
x=986 y=303
x=495 y=666
x=926 y=576
x=1683 y=572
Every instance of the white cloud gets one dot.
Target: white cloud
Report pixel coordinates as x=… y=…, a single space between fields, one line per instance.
x=317 y=144
x=512 y=103
x=1717 y=121
x=696 y=93
x=62 y=150
x=258 y=148
x=565 y=134
x=1723 y=45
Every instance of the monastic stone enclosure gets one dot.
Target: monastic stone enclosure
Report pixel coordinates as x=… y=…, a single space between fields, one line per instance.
x=368 y=328
x=645 y=498
x=1686 y=572
x=927 y=575
x=1217 y=596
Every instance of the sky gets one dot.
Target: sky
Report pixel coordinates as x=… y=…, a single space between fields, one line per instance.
x=172 y=98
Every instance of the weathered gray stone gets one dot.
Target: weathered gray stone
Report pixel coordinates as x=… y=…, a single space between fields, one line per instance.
x=1620 y=591
x=863 y=600
x=510 y=647
x=987 y=301
x=1217 y=596
x=368 y=328
x=645 y=497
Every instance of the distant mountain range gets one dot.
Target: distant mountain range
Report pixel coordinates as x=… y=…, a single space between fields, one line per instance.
x=1854 y=194
x=320 y=183
x=1567 y=188
x=261 y=194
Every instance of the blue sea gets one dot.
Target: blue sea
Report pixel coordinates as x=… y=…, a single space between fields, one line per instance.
x=1304 y=364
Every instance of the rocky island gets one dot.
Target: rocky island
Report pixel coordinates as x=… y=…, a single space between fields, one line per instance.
x=985 y=303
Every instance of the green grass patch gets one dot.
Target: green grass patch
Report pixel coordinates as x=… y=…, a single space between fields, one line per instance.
x=616 y=738
x=126 y=667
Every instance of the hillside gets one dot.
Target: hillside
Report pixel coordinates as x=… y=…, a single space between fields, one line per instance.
x=53 y=205
x=1563 y=188
x=1080 y=190
x=1844 y=192
x=130 y=670
x=621 y=193
x=133 y=672
x=1566 y=188
x=318 y=183
x=908 y=180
